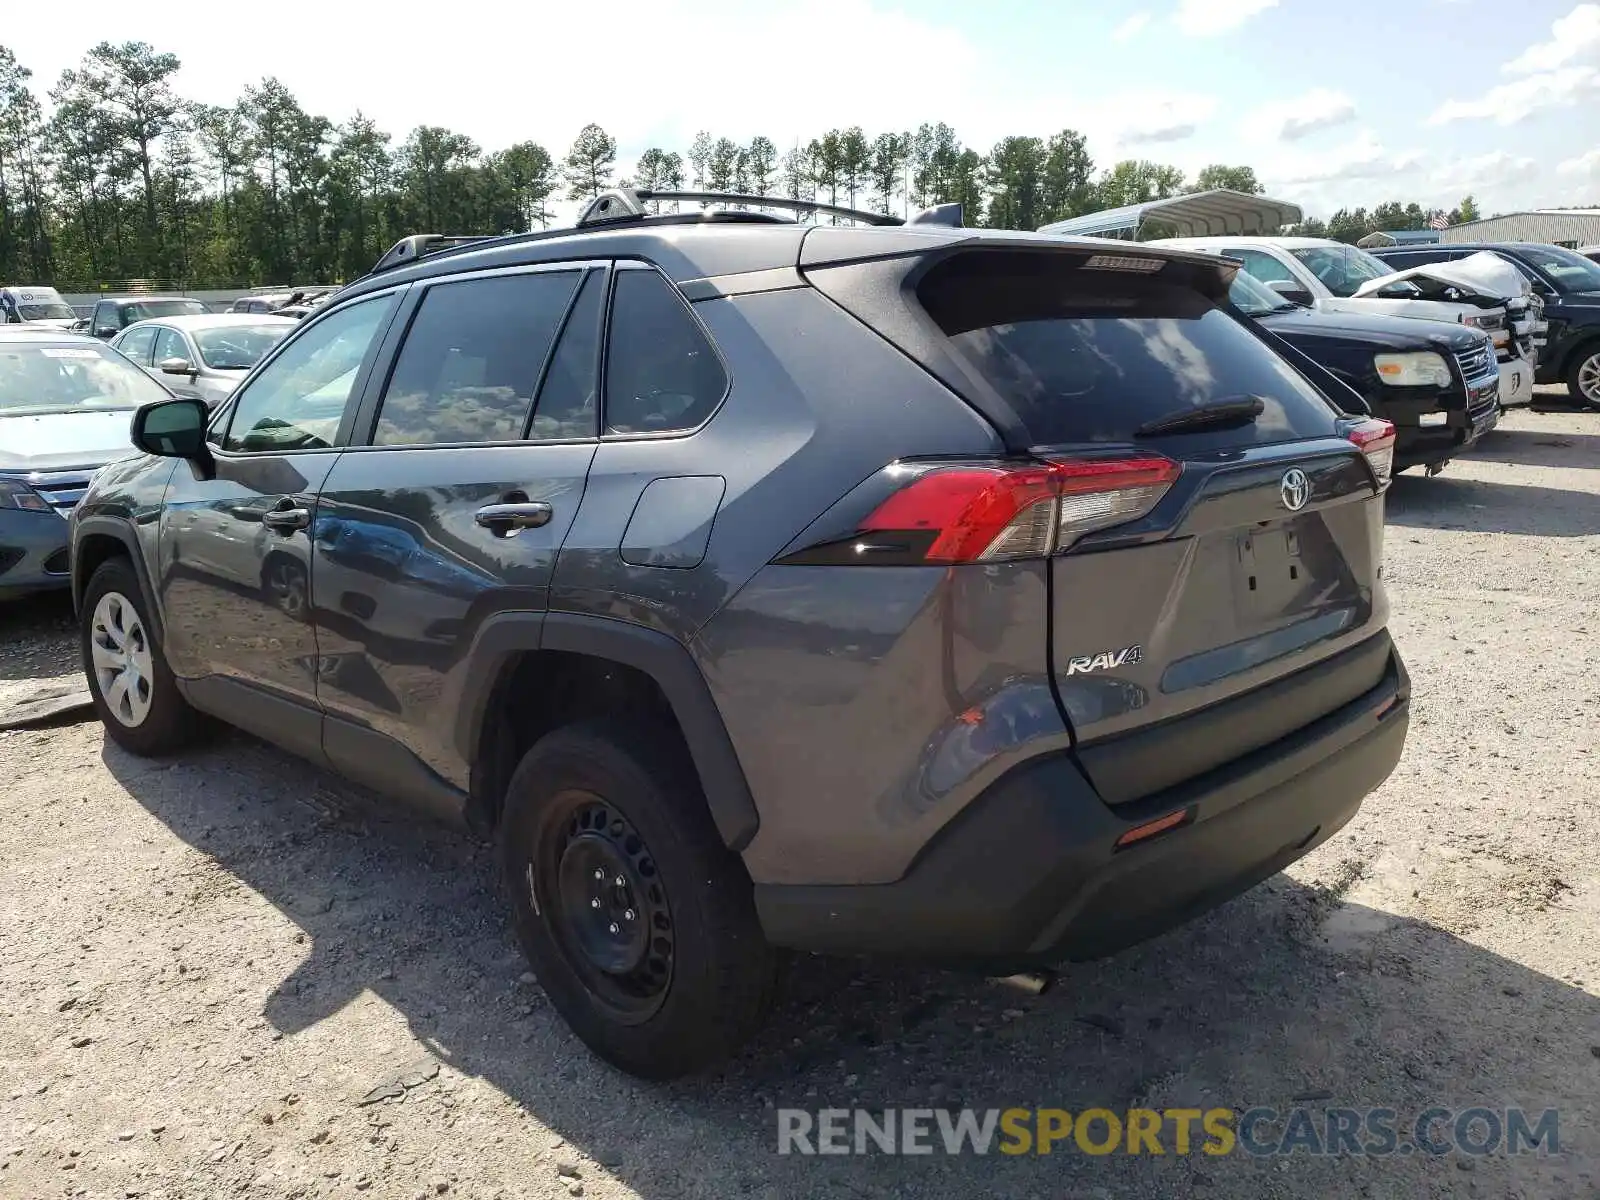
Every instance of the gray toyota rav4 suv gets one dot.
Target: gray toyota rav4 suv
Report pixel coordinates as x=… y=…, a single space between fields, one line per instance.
x=985 y=597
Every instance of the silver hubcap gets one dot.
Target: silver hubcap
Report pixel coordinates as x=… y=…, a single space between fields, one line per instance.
x=123 y=671
x=1589 y=379
x=288 y=588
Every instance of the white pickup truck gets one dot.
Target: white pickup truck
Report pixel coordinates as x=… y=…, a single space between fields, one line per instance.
x=1335 y=277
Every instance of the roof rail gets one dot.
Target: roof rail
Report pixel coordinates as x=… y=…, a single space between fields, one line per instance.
x=409 y=249
x=619 y=205
x=628 y=204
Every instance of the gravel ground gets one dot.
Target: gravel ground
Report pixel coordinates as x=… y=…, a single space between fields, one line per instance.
x=207 y=965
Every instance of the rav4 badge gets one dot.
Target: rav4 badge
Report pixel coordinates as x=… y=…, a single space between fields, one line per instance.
x=1106 y=660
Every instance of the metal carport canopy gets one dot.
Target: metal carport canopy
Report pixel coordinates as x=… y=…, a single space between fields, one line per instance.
x=1199 y=214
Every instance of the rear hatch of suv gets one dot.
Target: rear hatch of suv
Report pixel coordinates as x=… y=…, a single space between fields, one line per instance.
x=1214 y=526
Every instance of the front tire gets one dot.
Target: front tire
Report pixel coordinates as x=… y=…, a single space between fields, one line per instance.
x=638 y=920
x=1583 y=376
x=133 y=690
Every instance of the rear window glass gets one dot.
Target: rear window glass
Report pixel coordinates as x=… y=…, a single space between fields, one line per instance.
x=1091 y=356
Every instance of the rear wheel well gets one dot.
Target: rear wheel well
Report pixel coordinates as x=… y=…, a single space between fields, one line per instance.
x=539 y=691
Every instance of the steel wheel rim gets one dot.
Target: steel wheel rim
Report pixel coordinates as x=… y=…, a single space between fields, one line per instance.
x=119 y=650
x=626 y=963
x=1589 y=379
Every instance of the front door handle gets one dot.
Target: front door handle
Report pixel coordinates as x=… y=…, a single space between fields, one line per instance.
x=286 y=518
x=503 y=520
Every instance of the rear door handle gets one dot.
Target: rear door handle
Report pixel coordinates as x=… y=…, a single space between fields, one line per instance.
x=507 y=519
x=286 y=519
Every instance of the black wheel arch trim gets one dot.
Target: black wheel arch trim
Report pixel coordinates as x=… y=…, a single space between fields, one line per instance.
x=664 y=659
x=99 y=526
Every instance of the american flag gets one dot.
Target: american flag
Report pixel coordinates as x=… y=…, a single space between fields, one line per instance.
x=1439 y=222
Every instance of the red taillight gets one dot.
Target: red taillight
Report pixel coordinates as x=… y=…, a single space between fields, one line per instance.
x=1375 y=438
x=987 y=513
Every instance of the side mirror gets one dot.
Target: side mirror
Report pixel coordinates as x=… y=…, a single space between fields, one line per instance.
x=178 y=366
x=1291 y=291
x=173 y=429
x=105 y=331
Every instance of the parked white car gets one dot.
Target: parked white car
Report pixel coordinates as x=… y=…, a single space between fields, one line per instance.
x=1334 y=277
x=204 y=356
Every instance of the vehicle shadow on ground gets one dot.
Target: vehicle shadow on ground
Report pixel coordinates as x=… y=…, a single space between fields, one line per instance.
x=1537 y=448
x=37 y=636
x=1476 y=505
x=1250 y=1006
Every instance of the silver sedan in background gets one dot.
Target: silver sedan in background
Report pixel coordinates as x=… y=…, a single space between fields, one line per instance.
x=204 y=356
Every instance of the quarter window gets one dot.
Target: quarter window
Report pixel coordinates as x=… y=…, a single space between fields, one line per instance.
x=472 y=360
x=299 y=398
x=662 y=376
x=136 y=344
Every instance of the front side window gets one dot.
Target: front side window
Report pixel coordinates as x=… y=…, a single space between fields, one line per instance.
x=662 y=375
x=298 y=400
x=169 y=344
x=472 y=359
x=1264 y=266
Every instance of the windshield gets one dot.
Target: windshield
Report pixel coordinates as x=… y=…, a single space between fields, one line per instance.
x=237 y=347
x=64 y=378
x=1569 y=271
x=1342 y=269
x=144 y=310
x=46 y=312
x=1254 y=298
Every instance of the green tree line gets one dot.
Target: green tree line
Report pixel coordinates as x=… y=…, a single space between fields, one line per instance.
x=119 y=177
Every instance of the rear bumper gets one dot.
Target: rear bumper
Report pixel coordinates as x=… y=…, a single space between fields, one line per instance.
x=1029 y=874
x=33 y=552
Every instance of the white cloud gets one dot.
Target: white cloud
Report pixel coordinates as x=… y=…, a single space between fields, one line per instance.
x=1573 y=38
x=1585 y=166
x=1363 y=157
x=1512 y=102
x=1201 y=18
x=1291 y=120
x=1494 y=169
x=1147 y=118
x=1131 y=28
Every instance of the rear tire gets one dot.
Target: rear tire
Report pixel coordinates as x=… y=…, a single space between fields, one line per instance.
x=133 y=690
x=639 y=922
x=1583 y=376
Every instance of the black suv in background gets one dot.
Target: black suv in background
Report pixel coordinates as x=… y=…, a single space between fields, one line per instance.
x=1570 y=285
x=1437 y=383
x=987 y=597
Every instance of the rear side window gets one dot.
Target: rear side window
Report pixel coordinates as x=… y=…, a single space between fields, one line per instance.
x=662 y=376
x=472 y=359
x=1090 y=356
x=136 y=344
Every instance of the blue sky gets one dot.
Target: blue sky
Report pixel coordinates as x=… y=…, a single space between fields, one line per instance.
x=1334 y=103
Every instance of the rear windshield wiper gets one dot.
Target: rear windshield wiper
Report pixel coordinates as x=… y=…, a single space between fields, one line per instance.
x=1221 y=414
